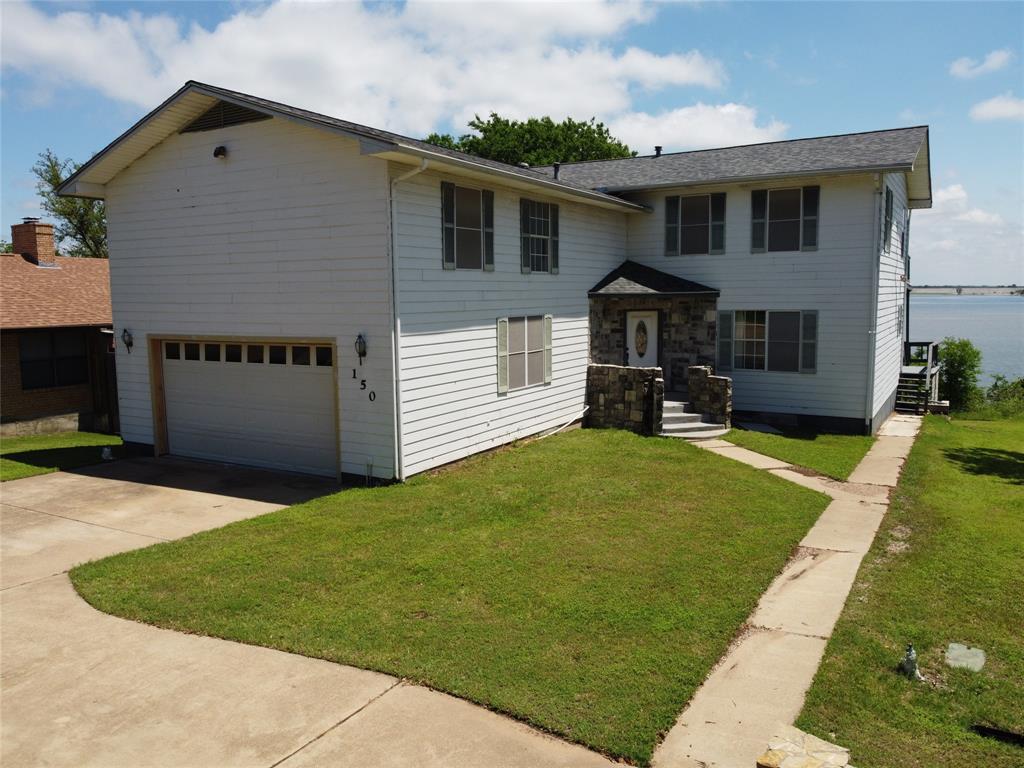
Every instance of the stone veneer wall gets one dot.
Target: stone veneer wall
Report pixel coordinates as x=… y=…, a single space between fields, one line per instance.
x=686 y=332
x=625 y=398
x=710 y=395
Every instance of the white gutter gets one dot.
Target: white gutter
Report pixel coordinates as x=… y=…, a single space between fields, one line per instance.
x=876 y=255
x=607 y=200
x=396 y=328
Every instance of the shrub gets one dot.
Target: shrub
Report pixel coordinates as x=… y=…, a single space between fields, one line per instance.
x=1006 y=396
x=961 y=365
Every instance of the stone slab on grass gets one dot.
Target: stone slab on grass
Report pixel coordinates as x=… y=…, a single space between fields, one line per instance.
x=963 y=657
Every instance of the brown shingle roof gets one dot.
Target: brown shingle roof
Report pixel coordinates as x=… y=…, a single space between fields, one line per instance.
x=75 y=292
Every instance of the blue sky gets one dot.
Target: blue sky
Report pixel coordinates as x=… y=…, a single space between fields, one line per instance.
x=75 y=75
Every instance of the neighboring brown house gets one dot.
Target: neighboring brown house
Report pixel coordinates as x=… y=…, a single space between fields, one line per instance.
x=56 y=368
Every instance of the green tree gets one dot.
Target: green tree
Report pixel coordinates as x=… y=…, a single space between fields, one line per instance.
x=537 y=141
x=80 y=226
x=961 y=366
x=5 y=246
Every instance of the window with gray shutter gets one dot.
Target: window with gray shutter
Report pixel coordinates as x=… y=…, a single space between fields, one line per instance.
x=467 y=227
x=887 y=226
x=695 y=224
x=502 y=348
x=538 y=236
x=448 y=224
x=784 y=219
x=672 y=225
x=809 y=341
x=758 y=220
x=725 y=341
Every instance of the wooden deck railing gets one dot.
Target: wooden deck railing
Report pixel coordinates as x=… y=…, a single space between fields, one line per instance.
x=919 y=377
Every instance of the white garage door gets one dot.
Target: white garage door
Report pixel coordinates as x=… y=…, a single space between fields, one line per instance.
x=268 y=404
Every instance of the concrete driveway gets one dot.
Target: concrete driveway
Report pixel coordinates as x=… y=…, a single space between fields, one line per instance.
x=82 y=688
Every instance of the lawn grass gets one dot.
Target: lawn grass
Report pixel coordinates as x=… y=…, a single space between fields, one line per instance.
x=947 y=566
x=40 y=454
x=585 y=583
x=830 y=454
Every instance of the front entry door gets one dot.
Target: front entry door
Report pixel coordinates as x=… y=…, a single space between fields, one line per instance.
x=642 y=339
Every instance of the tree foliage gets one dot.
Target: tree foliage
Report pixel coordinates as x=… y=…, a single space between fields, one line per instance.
x=961 y=366
x=537 y=141
x=80 y=226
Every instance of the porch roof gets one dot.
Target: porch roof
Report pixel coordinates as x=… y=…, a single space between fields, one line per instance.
x=633 y=279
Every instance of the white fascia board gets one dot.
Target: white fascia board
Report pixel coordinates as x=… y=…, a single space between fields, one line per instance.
x=86 y=189
x=469 y=168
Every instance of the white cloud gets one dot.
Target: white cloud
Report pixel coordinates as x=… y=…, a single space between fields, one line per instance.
x=1005 y=107
x=978 y=216
x=696 y=127
x=956 y=242
x=411 y=68
x=967 y=68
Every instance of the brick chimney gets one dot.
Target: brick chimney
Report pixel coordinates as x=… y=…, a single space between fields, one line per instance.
x=33 y=239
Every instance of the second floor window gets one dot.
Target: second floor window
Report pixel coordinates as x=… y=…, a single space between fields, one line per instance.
x=695 y=224
x=538 y=236
x=467 y=219
x=784 y=219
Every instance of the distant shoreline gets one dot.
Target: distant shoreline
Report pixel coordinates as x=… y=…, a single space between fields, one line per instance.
x=967 y=290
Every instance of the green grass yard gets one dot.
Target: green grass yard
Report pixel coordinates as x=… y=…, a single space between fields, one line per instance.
x=947 y=566
x=40 y=454
x=830 y=454
x=585 y=583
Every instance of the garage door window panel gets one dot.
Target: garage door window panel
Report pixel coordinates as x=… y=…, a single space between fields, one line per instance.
x=300 y=355
x=211 y=353
x=324 y=357
x=278 y=354
x=232 y=353
x=254 y=353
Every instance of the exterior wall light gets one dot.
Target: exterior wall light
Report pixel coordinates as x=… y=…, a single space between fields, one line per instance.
x=128 y=339
x=360 y=347
x=220 y=152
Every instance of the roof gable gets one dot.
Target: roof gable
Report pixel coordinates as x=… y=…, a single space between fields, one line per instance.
x=195 y=100
x=634 y=279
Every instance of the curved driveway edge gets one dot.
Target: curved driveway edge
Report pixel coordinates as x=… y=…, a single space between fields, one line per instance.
x=84 y=688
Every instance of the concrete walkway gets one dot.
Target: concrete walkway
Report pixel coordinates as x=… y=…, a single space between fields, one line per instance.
x=760 y=684
x=82 y=688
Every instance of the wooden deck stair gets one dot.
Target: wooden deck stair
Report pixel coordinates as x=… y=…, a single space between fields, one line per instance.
x=679 y=420
x=912 y=393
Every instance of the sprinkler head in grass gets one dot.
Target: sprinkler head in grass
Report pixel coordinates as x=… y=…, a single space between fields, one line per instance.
x=908 y=666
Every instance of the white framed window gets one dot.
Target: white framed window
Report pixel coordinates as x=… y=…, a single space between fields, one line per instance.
x=695 y=224
x=467 y=227
x=538 y=229
x=768 y=340
x=784 y=219
x=524 y=351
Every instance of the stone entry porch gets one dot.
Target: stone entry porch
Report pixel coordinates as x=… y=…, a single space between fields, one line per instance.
x=687 y=321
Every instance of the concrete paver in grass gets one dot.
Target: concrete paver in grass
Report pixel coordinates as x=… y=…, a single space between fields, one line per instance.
x=759 y=686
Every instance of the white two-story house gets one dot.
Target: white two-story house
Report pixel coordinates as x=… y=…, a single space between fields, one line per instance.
x=295 y=291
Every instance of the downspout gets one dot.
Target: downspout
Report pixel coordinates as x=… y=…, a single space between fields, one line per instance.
x=396 y=329
x=869 y=397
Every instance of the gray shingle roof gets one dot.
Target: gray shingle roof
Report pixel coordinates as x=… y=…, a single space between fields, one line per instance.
x=876 y=150
x=633 y=279
x=386 y=139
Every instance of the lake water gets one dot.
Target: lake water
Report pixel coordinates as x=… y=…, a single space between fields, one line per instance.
x=995 y=324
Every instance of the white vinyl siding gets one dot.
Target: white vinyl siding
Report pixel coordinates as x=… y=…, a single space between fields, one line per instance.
x=286 y=237
x=452 y=403
x=891 y=293
x=835 y=280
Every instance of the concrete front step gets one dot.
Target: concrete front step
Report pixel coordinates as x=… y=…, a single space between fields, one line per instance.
x=679 y=417
x=704 y=432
